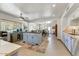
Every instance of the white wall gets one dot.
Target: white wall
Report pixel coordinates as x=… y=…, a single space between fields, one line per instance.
x=59 y=28
x=52 y=24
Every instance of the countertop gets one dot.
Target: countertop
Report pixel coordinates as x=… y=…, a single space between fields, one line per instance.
x=7 y=48
x=74 y=36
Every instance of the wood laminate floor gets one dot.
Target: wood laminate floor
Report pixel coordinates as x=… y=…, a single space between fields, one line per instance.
x=54 y=48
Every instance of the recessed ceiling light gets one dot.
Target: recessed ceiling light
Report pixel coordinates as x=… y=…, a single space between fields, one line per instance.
x=53 y=5
x=48 y=22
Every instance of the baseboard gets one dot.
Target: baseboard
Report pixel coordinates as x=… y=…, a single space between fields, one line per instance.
x=65 y=46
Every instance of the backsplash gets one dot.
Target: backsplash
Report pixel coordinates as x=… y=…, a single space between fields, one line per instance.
x=72 y=29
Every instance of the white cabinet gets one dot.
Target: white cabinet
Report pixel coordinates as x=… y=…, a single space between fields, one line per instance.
x=73 y=46
x=69 y=42
x=72 y=43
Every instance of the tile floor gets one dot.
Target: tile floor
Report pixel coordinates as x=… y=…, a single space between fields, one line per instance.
x=55 y=48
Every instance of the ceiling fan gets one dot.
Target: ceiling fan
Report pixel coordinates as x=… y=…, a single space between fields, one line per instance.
x=21 y=16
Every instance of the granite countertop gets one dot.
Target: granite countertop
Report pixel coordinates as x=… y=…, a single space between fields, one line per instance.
x=74 y=36
x=7 y=48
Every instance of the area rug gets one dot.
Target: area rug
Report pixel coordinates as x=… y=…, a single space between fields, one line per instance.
x=39 y=48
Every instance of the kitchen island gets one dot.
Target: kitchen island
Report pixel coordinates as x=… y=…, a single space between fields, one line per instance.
x=32 y=38
x=7 y=48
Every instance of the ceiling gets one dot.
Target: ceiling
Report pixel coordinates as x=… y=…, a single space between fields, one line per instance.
x=73 y=8
x=35 y=11
x=41 y=10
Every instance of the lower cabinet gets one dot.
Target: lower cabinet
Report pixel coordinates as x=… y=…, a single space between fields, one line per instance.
x=72 y=43
x=69 y=42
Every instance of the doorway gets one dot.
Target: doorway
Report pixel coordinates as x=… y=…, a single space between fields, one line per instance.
x=56 y=27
